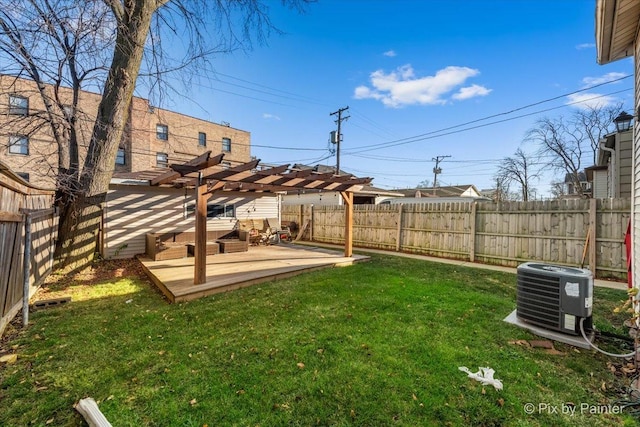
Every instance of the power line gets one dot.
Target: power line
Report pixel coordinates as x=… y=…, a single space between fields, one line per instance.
x=303 y=98
x=438 y=134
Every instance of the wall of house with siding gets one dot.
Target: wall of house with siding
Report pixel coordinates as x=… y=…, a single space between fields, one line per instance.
x=600 y=185
x=132 y=211
x=625 y=156
x=326 y=198
x=635 y=192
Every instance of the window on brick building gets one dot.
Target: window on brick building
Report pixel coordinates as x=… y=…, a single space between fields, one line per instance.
x=202 y=139
x=225 y=165
x=19 y=144
x=121 y=157
x=162 y=160
x=226 y=144
x=23 y=175
x=18 y=105
x=162 y=132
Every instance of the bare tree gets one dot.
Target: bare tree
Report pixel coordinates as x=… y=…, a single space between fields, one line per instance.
x=112 y=46
x=558 y=190
x=594 y=122
x=502 y=190
x=519 y=169
x=425 y=183
x=566 y=144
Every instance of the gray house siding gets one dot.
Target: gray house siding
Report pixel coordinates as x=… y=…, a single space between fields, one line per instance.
x=635 y=190
x=600 y=184
x=625 y=154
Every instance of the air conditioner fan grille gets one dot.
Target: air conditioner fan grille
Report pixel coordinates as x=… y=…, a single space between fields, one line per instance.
x=538 y=299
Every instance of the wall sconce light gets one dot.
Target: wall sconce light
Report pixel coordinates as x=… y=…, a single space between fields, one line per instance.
x=623 y=121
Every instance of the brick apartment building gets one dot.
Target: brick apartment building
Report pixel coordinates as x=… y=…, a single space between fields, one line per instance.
x=153 y=138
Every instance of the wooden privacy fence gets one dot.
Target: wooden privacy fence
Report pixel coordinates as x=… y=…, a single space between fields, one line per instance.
x=505 y=234
x=21 y=205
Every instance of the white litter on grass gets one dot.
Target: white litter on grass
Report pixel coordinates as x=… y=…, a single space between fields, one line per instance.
x=484 y=375
x=129 y=301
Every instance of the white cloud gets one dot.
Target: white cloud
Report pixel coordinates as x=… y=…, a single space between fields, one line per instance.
x=390 y=53
x=609 y=77
x=471 y=92
x=582 y=46
x=270 y=116
x=590 y=100
x=401 y=87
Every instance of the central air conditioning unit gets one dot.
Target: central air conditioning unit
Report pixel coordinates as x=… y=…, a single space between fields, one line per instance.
x=554 y=297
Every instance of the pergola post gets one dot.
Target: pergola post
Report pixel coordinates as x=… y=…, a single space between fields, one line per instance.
x=200 y=249
x=347 y=196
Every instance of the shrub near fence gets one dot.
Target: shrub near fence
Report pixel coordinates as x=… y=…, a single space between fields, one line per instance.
x=19 y=201
x=497 y=233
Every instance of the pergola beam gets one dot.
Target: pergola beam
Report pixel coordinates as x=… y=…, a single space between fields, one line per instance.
x=215 y=186
x=292 y=175
x=267 y=173
x=203 y=161
x=227 y=173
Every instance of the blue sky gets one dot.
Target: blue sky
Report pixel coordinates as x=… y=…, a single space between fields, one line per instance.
x=409 y=70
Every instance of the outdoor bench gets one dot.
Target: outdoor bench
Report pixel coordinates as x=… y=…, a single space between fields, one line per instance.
x=178 y=244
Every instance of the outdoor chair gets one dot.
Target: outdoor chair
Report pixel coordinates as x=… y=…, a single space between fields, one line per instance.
x=280 y=233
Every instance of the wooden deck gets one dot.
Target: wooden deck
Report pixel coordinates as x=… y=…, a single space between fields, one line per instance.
x=226 y=272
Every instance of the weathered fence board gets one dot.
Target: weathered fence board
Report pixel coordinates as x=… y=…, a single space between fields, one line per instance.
x=507 y=234
x=17 y=200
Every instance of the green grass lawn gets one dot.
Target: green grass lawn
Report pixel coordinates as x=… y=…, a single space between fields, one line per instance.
x=375 y=344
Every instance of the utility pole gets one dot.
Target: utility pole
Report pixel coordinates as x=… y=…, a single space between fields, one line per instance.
x=338 y=137
x=437 y=171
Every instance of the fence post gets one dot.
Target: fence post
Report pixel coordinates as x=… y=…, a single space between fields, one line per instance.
x=399 y=229
x=311 y=224
x=27 y=270
x=593 y=206
x=300 y=215
x=472 y=236
x=53 y=237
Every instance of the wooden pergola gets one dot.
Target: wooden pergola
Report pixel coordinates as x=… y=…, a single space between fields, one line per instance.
x=207 y=176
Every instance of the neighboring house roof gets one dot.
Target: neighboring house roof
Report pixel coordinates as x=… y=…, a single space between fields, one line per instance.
x=450 y=191
x=589 y=171
x=610 y=142
x=375 y=191
x=489 y=192
x=582 y=177
x=616 y=29
x=367 y=190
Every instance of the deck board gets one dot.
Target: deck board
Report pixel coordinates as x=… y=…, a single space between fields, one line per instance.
x=239 y=269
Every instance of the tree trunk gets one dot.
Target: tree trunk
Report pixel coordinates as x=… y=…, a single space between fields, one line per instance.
x=81 y=215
